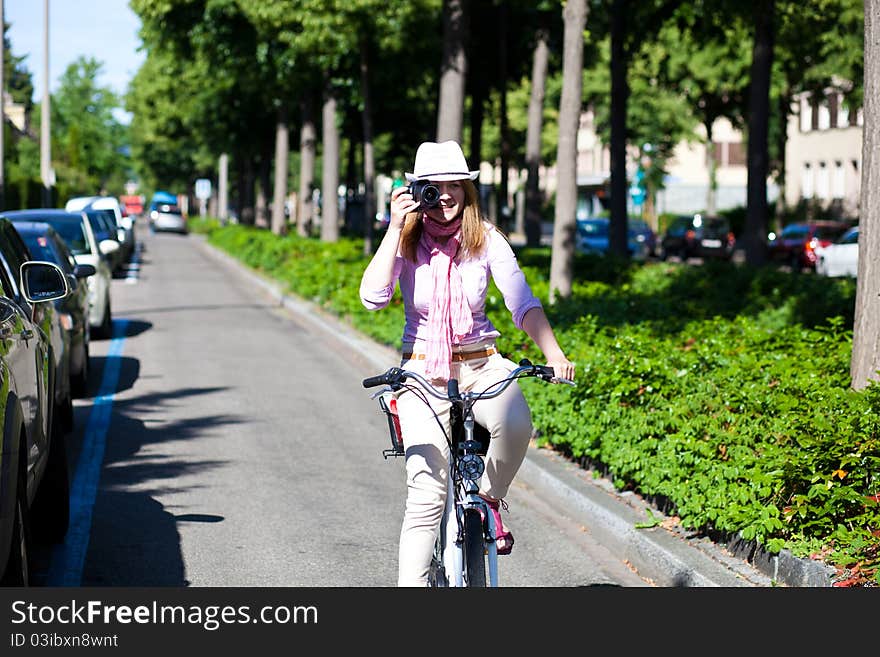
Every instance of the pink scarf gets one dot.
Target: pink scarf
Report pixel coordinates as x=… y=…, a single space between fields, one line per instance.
x=449 y=316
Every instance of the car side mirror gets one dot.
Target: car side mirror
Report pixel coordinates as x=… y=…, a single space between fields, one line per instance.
x=108 y=246
x=84 y=271
x=72 y=282
x=43 y=281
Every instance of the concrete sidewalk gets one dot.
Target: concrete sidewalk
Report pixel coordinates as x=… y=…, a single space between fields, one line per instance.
x=662 y=553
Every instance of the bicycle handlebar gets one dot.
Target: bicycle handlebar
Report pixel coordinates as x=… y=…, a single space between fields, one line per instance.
x=395 y=377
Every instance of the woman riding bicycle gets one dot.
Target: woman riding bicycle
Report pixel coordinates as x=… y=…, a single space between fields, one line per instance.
x=442 y=252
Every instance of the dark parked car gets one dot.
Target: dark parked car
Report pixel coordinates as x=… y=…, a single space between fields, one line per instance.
x=14 y=254
x=697 y=236
x=75 y=229
x=35 y=493
x=45 y=244
x=796 y=244
x=716 y=239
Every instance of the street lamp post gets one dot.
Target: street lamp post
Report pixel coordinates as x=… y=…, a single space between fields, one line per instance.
x=46 y=172
x=2 y=107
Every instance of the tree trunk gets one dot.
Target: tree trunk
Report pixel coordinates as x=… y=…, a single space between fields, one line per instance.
x=246 y=190
x=865 y=364
x=264 y=172
x=453 y=70
x=330 y=171
x=759 y=118
x=307 y=147
x=369 y=161
x=619 y=96
x=282 y=156
x=712 y=192
x=533 y=138
x=562 y=256
x=476 y=158
x=503 y=186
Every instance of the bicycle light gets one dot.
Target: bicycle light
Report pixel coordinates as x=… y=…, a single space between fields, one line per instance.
x=471 y=466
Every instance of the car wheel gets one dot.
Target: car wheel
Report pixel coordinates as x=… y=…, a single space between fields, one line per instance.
x=67 y=413
x=52 y=504
x=79 y=383
x=106 y=328
x=18 y=568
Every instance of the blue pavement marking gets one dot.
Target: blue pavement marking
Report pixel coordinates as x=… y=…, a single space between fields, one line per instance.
x=69 y=557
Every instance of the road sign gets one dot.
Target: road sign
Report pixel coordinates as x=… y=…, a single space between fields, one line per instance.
x=203 y=189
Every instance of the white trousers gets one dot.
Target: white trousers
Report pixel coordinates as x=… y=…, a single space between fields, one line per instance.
x=508 y=419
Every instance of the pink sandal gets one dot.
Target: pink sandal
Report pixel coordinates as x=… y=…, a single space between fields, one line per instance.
x=503 y=538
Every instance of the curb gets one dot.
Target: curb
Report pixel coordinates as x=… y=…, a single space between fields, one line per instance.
x=664 y=553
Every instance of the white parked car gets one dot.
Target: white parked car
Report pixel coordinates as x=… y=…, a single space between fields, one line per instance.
x=167 y=217
x=124 y=222
x=840 y=258
x=76 y=231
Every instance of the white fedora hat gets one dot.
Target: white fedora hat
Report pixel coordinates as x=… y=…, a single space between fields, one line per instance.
x=443 y=161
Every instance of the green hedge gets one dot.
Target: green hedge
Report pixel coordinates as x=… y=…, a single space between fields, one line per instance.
x=721 y=392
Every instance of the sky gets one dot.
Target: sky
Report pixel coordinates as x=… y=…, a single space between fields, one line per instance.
x=106 y=30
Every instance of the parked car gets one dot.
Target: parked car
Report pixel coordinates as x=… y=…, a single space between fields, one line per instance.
x=840 y=258
x=644 y=236
x=593 y=237
x=35 y=492
x=797 y=243
x=122 y=221
x=14 y=253
x=45 y=244
x=104 y=228
x=697 y=236
x=715 y=239
x=167 y=217
x=76 y=231
x=132 y=206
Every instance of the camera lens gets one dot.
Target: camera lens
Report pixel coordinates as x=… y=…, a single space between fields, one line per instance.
x=430 y=196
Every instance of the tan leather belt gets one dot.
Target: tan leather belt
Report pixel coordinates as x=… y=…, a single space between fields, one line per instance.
x=457 y=356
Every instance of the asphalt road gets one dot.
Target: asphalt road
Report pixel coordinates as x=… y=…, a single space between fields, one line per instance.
x=224 y=442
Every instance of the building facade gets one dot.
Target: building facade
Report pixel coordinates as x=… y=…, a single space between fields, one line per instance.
x=824 y=154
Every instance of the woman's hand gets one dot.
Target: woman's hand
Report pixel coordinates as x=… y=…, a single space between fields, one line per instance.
x=562 y=367
x=402 y=204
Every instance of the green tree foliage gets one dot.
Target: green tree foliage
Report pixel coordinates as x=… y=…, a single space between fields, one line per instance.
x=21 y=152
x=88 y=141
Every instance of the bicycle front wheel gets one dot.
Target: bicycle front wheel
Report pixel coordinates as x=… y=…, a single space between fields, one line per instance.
x=474 y=549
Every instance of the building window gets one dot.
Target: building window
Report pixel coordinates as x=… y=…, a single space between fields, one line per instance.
x=728 y=153
x=736 y=154
x=823 y=187
x=807 y=181
x=838 y=183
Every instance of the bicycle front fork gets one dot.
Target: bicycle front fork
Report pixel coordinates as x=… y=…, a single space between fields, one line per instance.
x=453 y=520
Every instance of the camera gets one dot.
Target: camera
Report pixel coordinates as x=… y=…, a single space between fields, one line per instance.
x=425 y=193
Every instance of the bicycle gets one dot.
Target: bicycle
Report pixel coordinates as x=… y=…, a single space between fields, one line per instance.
x=464 y=561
